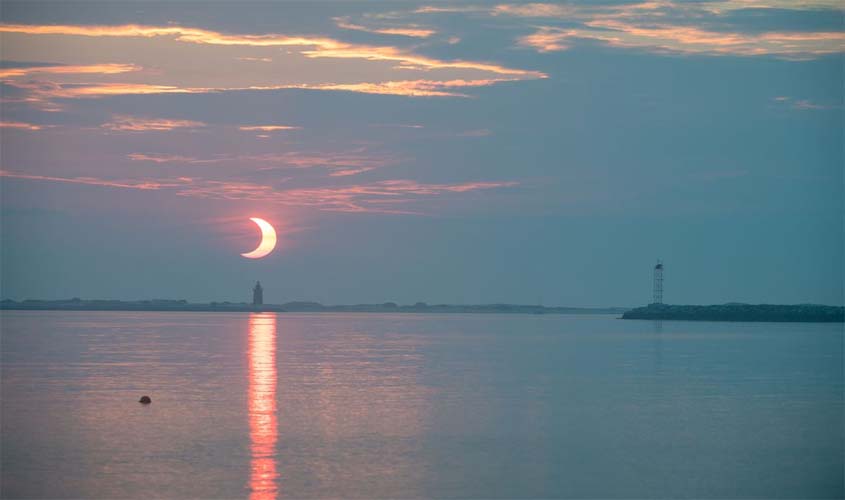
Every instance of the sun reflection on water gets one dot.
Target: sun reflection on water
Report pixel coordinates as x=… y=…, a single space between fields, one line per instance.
x=262 y=405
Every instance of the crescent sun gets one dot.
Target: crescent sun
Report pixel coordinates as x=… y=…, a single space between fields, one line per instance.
x=268 y=240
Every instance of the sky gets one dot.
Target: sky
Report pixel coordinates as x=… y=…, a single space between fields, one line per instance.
x=448 y=152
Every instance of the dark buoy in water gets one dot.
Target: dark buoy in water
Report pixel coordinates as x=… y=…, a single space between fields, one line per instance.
x=145 y=400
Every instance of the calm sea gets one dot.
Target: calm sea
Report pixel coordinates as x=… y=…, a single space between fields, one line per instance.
x=402 y=405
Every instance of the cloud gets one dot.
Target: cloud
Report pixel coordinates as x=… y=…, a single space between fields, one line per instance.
x=397 y=125
x=805 y=104
x=21 y=125
x=688 y=40
x=158 y=158
x=126 y=123
x=409 y=31
x=350 y=171
x=535 y=10
x=483 y=132
x=547 y=39
x=449 y=9
x=730 y=5
x=692 y=28
x=268 y=128
x=375 y=197
x=42 y=93
x=92 y=181
x=177 y=59
x=108 y=69
x=338 y=163
x=416 y=88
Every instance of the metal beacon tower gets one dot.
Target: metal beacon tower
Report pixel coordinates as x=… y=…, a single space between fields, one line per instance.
x=658 y=282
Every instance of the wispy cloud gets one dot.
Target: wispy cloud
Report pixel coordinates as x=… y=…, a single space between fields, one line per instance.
x=256 y=59
x=108 y=69
x=547 y=39
x=21 y=125
x=482 y=132
x=317 y=46
x=449 y=9
x=338 y=163
x=375 y=197
x=155 y=63
x=535 y=10
x=805 y=104
x=409 y=31
x=126 y=123
x=397 y=125
x=688 y=40
x=665 y=26
x=416 y=88
x=160 y=158
x=730 y=5
x=268 y=128
x=92 y=181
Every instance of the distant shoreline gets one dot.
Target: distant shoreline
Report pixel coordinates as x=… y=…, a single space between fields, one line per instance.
x=802 y=313
x=387 y=307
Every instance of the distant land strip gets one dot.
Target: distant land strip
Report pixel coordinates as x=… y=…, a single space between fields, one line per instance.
x=387 y=307
x=809 y=313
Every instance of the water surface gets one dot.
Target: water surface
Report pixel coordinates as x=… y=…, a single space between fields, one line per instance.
x=403 y=405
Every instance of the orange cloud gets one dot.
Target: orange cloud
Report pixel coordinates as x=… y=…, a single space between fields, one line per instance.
x=320 y=46
x=416 y=88
x=126 y=123
x=107 y=69
x=547 y=39
x=43 y=92
x=157 y=55
x=21 y=125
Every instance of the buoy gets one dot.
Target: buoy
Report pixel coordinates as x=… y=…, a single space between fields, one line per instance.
x=145 y=400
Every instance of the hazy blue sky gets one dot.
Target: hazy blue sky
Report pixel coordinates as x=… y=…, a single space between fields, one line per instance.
x=460 y=152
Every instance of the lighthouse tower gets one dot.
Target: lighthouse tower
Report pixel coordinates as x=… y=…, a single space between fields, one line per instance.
x=257 y=294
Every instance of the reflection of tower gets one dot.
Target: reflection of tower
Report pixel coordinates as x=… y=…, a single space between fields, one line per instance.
x=658 y=283
x=257 y=294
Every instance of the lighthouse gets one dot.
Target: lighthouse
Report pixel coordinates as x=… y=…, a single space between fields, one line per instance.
x=257 y=294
